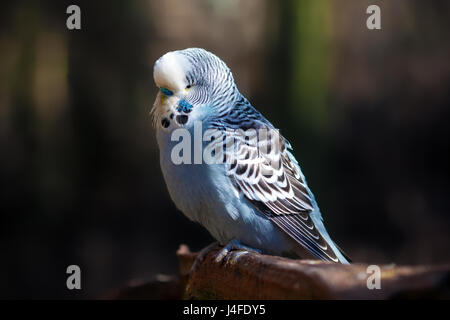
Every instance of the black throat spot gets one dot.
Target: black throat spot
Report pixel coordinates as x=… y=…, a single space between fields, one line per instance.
x=182 y=118
x=165 y=122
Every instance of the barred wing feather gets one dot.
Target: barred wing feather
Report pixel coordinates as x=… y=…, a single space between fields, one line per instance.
x=268 y=175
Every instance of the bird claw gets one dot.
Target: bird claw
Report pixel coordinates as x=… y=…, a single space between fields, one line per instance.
x=222 y=254
x=234 y=245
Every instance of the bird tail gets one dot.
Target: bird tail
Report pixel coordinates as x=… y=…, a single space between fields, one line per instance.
x=340 y=254
x=345 y=255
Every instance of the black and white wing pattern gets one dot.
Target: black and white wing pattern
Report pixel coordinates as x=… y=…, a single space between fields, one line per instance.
x=263 y=169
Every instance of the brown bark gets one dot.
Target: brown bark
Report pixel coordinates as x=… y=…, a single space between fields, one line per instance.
x=254 y=276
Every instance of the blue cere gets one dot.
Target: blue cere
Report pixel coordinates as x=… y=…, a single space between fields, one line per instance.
x=166 y=92
x=184 y=106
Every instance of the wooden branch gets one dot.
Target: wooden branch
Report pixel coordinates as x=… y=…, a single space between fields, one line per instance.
x=253 y=276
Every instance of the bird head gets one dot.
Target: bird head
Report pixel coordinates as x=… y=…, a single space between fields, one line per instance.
x=193 y=84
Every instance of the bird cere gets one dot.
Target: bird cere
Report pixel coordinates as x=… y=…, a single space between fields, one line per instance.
x=243 y=184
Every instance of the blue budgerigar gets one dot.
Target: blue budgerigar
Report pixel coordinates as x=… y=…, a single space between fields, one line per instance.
x=251 y=200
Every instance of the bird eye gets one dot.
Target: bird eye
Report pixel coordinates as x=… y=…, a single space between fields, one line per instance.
x=188 y=86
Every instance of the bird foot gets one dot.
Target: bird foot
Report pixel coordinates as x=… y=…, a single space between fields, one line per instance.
x=234 y=245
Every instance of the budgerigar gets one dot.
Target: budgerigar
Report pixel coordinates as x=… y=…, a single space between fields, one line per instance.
x=251 y=200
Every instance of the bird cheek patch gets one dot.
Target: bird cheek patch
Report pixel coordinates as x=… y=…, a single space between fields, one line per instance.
x=166 y=92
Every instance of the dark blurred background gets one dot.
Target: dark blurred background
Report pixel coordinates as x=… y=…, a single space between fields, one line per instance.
x=366 y=111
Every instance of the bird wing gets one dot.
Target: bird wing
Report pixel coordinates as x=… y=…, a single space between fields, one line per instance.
x=268 y=175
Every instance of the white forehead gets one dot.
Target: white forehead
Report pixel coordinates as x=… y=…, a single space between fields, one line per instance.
x=170 y=71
